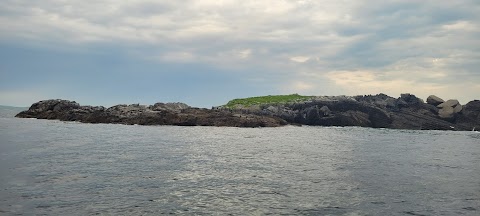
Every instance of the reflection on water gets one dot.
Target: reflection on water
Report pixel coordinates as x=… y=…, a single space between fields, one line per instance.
x=57 y=168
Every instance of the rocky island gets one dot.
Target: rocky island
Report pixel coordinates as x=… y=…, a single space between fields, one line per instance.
x=377 y=111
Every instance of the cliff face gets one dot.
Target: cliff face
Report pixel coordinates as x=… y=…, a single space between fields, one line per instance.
x=378 y=111
x=158 y=114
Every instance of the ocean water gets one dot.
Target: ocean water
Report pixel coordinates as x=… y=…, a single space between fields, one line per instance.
x=67 y=168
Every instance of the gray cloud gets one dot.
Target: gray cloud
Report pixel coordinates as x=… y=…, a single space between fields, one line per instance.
x=424 y=46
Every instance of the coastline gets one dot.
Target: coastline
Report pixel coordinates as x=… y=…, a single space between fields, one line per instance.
x=376 y=111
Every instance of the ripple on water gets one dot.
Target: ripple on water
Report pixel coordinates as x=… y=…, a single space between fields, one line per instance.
x=53 y=168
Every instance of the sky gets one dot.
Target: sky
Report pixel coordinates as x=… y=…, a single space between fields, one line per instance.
x=204 y=53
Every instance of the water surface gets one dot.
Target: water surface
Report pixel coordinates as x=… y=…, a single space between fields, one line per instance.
x=67 y=168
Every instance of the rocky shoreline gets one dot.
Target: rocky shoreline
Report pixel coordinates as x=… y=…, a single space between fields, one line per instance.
x=377 y=111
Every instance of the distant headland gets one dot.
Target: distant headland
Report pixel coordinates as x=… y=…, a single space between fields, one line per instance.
x=377 y=111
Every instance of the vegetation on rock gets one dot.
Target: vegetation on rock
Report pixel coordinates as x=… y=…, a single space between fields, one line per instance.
x=270 y=99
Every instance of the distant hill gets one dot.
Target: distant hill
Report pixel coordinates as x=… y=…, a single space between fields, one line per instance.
x=9 y=111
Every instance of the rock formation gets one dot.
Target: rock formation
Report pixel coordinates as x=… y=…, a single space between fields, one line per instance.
x=378 y=111
x=434 y=100
x=405 y=112
x=158 y=114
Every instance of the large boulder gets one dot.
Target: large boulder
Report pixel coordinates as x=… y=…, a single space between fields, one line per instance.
x=446 y=112
x=434 y=100
x=457 y=107
x=450 y=103
x=449 y=108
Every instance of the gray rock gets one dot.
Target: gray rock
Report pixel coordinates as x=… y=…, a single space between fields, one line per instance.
x=273 y=109
x=55 y=105
x=446 y=112
x=450 y=103
x=434 y=100
x=312 y=115
x=401 y=103
x=325 y=110
x=411 y=99
x=457 y=108
x=406 y=112
x=448 y=109
x=390 y=102
x=140 y=114
x=169 y=107
x=470 y=115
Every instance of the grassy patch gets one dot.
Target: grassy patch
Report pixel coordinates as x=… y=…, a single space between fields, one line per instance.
x=270 y=99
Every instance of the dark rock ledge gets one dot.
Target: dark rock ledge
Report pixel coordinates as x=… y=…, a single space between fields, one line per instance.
x=158 y=114
x=378 y=111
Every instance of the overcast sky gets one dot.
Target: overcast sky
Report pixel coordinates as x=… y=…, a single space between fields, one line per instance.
x=105 y=52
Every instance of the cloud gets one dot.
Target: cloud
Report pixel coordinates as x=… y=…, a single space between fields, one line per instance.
x=300 y=86
x=461 y=26
x=300 y=59
x=243 y=54
x=370 y=82
x=371 y=46
x=177 y=57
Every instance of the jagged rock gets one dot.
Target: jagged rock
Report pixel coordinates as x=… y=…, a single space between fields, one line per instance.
x=401 y=103
x=390 y=102
x=159 y=114
x=55 y=105
x=169 y=106
x=411 y=99
x=434 y=100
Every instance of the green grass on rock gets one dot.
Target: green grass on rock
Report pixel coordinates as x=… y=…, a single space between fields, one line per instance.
x=270 y=99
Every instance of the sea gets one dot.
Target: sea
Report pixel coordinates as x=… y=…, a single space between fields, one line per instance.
x=49 y=167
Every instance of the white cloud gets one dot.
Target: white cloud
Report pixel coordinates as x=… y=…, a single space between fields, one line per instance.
x=243 y=54
x=461 y=26
x=300 y=59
